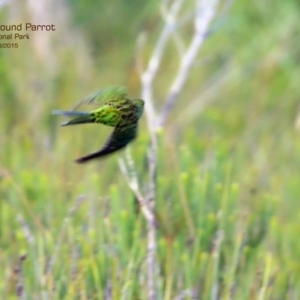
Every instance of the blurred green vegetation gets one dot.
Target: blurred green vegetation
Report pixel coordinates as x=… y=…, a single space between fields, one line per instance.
x=228 y=176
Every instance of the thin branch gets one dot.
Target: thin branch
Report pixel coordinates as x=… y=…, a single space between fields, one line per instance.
x=205 y=12
x=131 y=177
x=154 y=63
x=20 y=278
x=147 y=78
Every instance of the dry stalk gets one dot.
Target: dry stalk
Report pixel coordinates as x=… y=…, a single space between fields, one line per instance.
x=203 y=15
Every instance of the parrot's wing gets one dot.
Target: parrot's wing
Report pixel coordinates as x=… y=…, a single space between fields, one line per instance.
x=116 y=141
x=109 y=95
x=105 y=114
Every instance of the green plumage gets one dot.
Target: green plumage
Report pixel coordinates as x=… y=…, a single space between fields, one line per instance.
x=114 y=109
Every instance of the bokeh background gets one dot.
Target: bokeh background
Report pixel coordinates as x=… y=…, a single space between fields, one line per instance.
x=228 y=185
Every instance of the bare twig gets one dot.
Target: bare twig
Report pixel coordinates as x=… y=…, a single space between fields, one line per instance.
x=26 y=230
x=20 y=279
x=147 y=78
x=154 y=63
x=131 y=176
x=147 y=210
x=205 y=12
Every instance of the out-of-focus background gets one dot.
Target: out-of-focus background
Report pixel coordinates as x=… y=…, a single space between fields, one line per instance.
x=229 y=156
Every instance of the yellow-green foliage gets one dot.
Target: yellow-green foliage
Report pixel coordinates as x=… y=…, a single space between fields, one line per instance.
x=228 y=184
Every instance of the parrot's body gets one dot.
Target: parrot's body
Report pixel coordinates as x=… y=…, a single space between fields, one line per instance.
x=114 y=109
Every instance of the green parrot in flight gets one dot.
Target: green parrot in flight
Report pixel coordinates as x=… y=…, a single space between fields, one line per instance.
x=114 y=109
